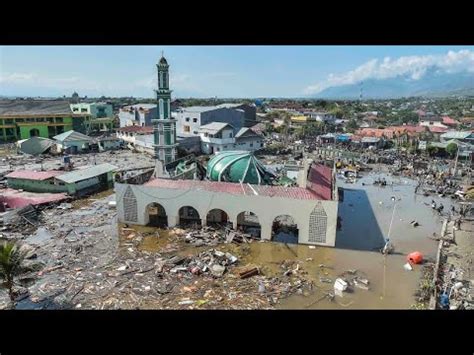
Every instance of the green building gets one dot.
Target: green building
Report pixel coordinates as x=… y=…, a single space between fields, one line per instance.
x=77 y=182
x=102 y=116
x=23 y=119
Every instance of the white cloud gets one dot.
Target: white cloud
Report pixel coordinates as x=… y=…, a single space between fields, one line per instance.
x=414 y=67
x=41 y=81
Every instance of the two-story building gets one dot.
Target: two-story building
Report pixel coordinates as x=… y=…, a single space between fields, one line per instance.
x=23 y=119
x=219 y=136
x=101 y=113
x=190 y=119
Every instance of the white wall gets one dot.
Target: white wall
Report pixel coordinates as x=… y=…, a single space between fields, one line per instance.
x=266 y=208
x=193 y=126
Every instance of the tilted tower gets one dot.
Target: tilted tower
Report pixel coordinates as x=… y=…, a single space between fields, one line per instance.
x=164 y=127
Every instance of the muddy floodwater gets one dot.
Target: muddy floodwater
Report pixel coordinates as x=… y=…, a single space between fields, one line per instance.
x=366 y=212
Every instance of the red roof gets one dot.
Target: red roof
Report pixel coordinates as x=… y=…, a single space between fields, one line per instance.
x=436 y=129
x=17 y=199
x=449 y=121
x=34 y=175
x=298 y=193
x=136 y=129
x=320 y=181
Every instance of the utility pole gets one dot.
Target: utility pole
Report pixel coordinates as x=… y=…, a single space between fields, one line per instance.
x=385 y=251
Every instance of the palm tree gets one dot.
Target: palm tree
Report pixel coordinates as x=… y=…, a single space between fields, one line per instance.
x=11 y=265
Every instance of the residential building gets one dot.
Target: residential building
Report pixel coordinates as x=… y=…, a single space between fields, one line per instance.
x=449 y=122
x=375 y=142
x=219 y=136
x=318 y=116
x=461 y=136
x=138 y=115
x=190 y=119
x=432 y=121
x=23 y=119
x=73 y=142
x=95 y=110
x=109 y=143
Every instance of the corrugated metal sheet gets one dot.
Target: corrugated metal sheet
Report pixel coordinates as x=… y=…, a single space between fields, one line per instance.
x=36 y=145
x=297 y=193
x=320 y=181
x=456 y=135
x=87 y=173
x=17 y=199
x=34 y=175
x=72 y=136
x=213 y=127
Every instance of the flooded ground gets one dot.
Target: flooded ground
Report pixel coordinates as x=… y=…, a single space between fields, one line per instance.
x=84 y=248
x=366 y=213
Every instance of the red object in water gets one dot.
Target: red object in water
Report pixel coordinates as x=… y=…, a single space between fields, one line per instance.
x=415 y=258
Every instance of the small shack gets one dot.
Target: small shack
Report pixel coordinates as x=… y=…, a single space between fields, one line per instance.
x=73 y=142
x=78 y=182
x=35 y=145
x=91 y=179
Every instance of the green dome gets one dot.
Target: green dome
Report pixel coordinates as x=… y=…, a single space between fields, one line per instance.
x=236 y=166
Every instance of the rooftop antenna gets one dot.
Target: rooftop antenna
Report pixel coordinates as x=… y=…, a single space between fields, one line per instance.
x=360 y=92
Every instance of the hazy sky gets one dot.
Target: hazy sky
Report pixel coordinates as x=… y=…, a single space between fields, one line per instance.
x=222 y=71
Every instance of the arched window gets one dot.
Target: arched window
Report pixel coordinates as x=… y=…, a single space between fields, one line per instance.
x=318 y=220
x=34 y=132
x=160 y=84
x=161 y=109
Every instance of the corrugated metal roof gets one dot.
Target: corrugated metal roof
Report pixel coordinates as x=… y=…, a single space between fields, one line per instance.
x=456 y=135
x=370 y=140
x=87 y=173
x=35 y=145
x=320 y=181
x=214 y=127
x=18 y=199
x=70 y=136
x=245 y=131
x=297 y=193
x=34 y=175
x=209 y=108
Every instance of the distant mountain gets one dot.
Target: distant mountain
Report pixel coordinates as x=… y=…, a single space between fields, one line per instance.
x=432 y=84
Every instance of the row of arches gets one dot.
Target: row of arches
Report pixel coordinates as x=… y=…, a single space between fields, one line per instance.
x=284 y=227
